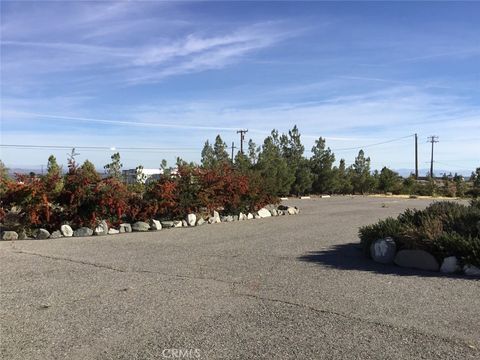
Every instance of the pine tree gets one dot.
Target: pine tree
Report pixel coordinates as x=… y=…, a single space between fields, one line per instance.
x=52 y=166
x=389 y=181
x=303 y=178
x=208 y=156
x=362 y=180
x=54 y=176
x=343 y=179
x=321 y=162
x=253 y=151
x=292 y=151
x=114 y=169
x=220 y=151
x=89 y=172
x=273 y=168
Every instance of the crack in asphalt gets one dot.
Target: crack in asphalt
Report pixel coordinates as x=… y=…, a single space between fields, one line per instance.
x=232 y=285
x=359 y=319
x=132 y=271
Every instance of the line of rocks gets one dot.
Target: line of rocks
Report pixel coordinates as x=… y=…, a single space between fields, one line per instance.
x=190 y=220
x=384 y=251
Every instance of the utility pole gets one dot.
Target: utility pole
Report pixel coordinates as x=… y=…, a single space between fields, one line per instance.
x=432 y=139
x=233 y=148
x=242 y=138
x=416 y=156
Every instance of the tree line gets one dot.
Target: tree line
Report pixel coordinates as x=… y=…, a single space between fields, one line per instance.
x=285 y=170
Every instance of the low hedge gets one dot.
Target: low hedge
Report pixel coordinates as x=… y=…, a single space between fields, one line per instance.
x=443 y=229
x=82 y=198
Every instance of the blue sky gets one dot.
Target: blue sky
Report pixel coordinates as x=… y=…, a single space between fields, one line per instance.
x=173 y=74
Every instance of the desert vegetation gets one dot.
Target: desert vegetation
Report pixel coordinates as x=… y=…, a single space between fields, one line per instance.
x=443 y=229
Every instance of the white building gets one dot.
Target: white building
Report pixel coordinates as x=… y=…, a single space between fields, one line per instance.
x=142 y=175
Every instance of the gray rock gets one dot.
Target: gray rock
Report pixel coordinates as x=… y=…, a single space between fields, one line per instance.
x=22 y=235
x=56 y=234
x=140 y=226
x=42 y=234
x=416 y=259
x=101 y=229
x=82 y=232
x=9 y=235
x=274 y=212
x=155 y=225
x=471 y=270
x=177 y=223
x=242 y=217
x=263 y=213
x=113 y=231
x=66 y=230
x=201 y=222
x=383 y=250
x=256 y=216
x=450 y=265
x=167 y=224
x=184 y=223
x=235 y=217
x=125 y=228
x=191 y=219
x=249 y=216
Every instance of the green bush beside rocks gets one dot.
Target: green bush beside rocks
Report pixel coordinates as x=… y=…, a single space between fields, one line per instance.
x=443 y=229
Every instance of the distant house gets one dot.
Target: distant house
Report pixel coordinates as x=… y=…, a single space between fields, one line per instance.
x=144 y=176
x=139 y=175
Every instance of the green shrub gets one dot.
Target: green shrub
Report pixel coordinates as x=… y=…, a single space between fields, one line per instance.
x=443 y=229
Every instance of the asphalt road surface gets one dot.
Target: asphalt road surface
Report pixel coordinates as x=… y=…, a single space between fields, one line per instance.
x=291 y=287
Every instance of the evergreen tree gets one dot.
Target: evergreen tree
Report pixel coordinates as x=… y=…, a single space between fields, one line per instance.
x=273 y=167
x=253 y=151
x=303 y=178
x=114 y=169
x=362 y=180
x=215 y=155
x=343 y=179
x=208 y=156
x=52 y=166
x=89 y=172
x=292 y=151
x=54 y=176
x=321 y=162
x=242 y=162
x=166 y=170
x=389 y=181
x=220 y=151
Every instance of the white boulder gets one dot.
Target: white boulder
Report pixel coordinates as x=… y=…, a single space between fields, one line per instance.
x=263 y=213
x=66 y=230
x=191 y=219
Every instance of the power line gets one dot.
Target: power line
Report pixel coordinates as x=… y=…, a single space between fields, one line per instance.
x=375 y=144
x=89 y=148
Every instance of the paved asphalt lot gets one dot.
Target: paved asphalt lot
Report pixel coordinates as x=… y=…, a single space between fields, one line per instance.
x=293 y=287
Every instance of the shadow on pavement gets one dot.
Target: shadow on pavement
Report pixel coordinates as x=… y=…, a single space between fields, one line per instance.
x=351 y=257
